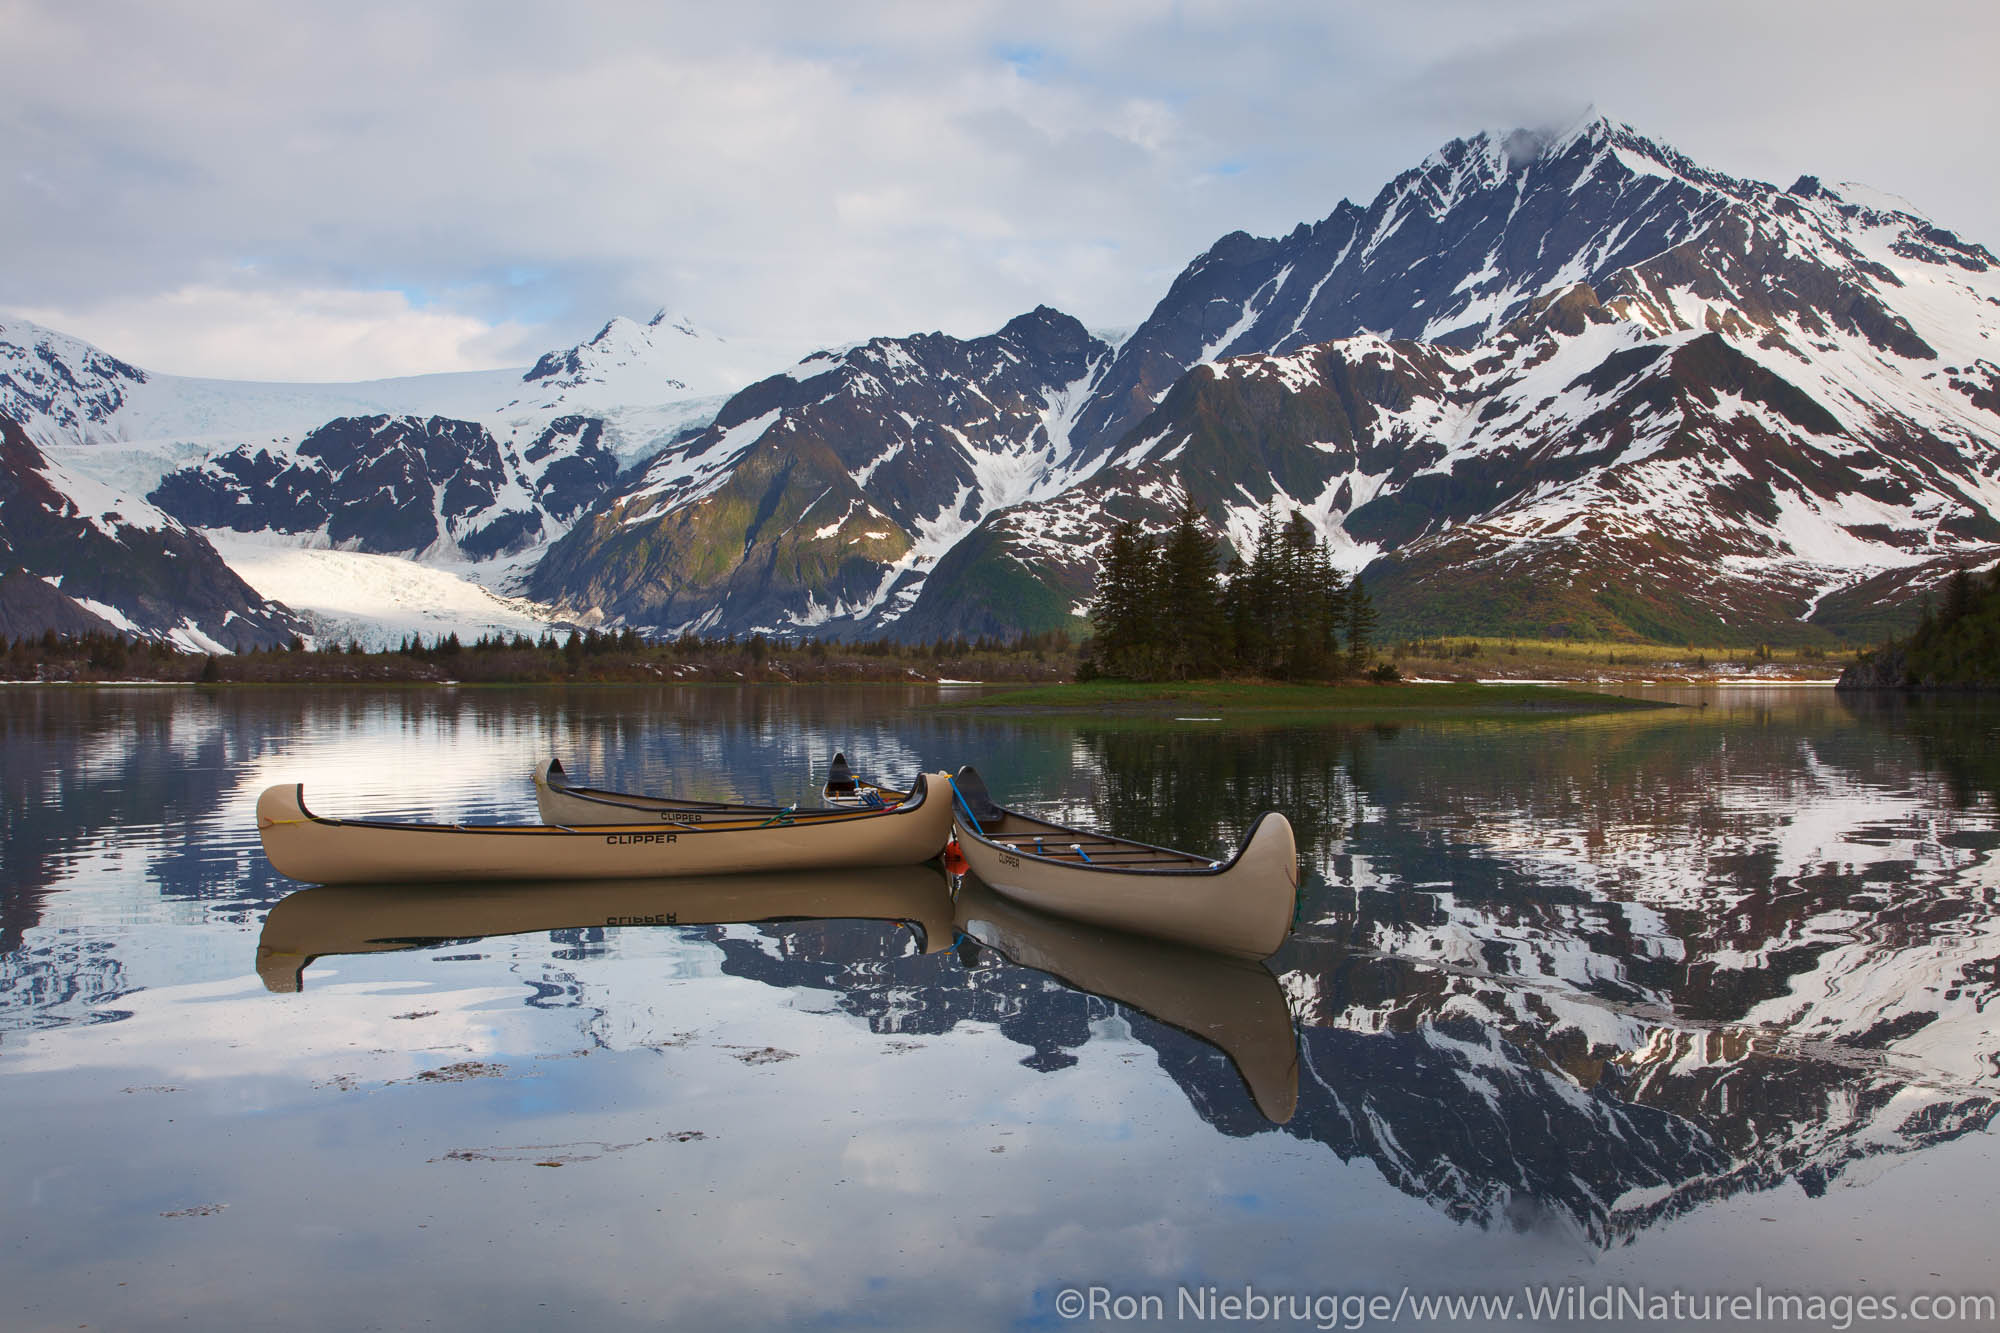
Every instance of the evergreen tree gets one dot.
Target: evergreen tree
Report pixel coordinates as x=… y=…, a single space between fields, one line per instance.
x=1360 y=625
x=1126 y=602
x=1302 y=627
x=1190 y=607
x=1333 y=595
x=1253 y=602
x=1957 y=596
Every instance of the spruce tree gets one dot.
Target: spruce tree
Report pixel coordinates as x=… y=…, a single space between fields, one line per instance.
x=1253 y=601
x=1124 y=609
x=1360 y=625
x=1333 y=594
x=1189 y=621
x=1957 y=596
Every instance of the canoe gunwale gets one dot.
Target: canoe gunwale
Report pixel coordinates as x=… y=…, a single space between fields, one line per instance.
x=550 y=775
x=1197 y=865
x=964 y=818
x=795 y=818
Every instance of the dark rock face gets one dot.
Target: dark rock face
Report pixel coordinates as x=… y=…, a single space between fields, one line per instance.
x=391 y=485
x=576 y=467
x=248 y=492
x=1447 y=253
x=69 y=571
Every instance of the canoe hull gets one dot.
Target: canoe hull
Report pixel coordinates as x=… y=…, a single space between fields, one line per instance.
x=1242 y=908
x=334 y=851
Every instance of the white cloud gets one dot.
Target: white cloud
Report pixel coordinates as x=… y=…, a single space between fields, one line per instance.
x=821 y=173
x=285 y=334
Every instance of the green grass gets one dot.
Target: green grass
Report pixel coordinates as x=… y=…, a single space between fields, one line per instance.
x=1257 y=696
x=1476 y=652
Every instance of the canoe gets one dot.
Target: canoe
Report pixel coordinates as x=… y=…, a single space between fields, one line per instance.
x=362 y=851
x=561 y=801
x=376 y=918
x=1233 y=1004
x=1242 y=906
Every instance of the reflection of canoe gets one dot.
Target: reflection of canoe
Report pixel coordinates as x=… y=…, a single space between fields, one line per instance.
x=1241 y=906
x=375 y=918
x=1232 y=1003
x=360 y=851
x=563 y=802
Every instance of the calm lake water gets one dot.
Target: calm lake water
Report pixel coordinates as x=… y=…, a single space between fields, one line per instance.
x=1696 y=1001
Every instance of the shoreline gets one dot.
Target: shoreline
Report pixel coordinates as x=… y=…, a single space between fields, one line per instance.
x=1127 y=698
x=1587 y=687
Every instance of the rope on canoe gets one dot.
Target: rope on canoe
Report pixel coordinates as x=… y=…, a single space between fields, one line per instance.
x=783 y=817
x=960 y=798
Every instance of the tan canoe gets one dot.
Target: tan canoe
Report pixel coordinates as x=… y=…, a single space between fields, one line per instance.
x=561 y=801
x=1242 y=906
x=1233 y=1004
x=360 y=851
x=375 y=918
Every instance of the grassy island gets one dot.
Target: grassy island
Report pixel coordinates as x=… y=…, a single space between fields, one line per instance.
x=1237 y=696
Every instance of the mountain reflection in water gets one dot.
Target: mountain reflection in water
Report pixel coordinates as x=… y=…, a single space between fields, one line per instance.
x=1585 y=972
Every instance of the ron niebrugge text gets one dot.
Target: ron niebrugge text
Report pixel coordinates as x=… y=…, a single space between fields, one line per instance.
x=1350 y=1311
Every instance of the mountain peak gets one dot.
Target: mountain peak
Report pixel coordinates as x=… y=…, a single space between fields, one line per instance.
x=625 y=347
x=50 y=381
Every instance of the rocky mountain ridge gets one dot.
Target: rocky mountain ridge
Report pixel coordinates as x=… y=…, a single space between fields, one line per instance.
x=818 y=499
x=78 y=559
x=462 y=473
x=1562 y=384
x=1782 y=419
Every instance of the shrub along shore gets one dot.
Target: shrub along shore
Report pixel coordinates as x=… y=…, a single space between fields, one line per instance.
x=582 y=657
x=1233 y=697
x=1044 y=659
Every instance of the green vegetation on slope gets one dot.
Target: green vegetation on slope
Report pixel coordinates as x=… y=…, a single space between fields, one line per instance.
x=1954 y=648
x=1240 y=696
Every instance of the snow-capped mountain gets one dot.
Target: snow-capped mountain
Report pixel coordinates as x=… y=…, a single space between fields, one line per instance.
x=79 y=558
x=647 y=384
x=464 y=472
x=819 y=499
x=1448 y=253
x=1542 y=384
x=1713 y=407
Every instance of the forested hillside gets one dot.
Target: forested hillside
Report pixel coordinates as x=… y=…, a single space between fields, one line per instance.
x=1955 y=646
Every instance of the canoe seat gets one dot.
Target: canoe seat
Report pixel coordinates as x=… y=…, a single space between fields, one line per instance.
x=975 y=801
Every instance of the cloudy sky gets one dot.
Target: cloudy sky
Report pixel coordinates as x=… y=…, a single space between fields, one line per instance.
x=340 y=190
